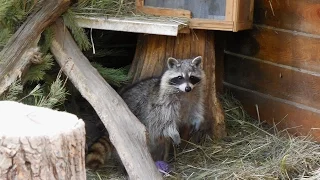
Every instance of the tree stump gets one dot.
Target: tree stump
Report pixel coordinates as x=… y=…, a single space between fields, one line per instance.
x=40 y=143
x=150 y=60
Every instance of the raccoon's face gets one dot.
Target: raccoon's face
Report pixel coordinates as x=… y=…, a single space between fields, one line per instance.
x=184 y=74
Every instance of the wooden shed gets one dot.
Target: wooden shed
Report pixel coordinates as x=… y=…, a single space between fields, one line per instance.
x=274 y=68
x=263 y=51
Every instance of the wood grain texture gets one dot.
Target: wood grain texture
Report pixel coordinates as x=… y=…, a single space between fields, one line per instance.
x=164 y=11
x=244 y=11
x=282 y=47
x=40 y=143
x=296 y=118
x=200 y=8
x=12 y=63
x=151 y=57
x=274 y=80
x=296 y=15
x=126 y=132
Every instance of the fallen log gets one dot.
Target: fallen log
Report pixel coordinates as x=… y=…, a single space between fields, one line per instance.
x=126 y=133
x=15 y=56
x=40 y=143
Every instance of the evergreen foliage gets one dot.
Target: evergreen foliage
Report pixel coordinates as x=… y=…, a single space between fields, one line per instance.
x=77 y=32
x=52 y=94
x=105 y=7
x=116 y=77
x=37 y=96
x=37 y=71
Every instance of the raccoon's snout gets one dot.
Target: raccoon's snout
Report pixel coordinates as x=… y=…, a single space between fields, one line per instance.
x=185 y=87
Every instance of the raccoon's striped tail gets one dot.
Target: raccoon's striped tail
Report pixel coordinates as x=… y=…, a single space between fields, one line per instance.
x=99 y=153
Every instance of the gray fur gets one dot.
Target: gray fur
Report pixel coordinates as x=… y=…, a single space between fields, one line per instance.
x=162 y=107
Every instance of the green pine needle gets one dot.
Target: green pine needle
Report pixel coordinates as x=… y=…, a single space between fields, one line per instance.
x=78 y=33
x=116 y=77
x=5 y=35
x=37 y=71
x=55 y=97
x=13 y=91
x=5 y=4
x=47 y=36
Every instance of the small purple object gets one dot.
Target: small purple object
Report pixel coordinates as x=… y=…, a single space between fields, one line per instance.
x=163 y=167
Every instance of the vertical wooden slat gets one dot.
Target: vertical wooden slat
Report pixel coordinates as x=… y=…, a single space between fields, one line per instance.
x=251 y=10
x=214 y=111
x=139 y=3
x=229 y=10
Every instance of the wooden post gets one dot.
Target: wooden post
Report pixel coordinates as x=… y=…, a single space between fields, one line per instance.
x=40 y=143
x=150 y=60
x=126 y=132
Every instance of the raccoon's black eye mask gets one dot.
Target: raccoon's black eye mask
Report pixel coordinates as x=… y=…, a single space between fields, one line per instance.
x=194 y=80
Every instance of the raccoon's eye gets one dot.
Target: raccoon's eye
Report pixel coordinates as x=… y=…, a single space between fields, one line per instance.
x=192 y=77
x=180 y=77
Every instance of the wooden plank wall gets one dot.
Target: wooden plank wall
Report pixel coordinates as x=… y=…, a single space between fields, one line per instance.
x=276 y=65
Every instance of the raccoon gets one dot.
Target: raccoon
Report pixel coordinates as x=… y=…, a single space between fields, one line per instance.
x=163 y=104
x=99 y=153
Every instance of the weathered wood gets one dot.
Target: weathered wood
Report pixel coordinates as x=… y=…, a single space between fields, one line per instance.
x=296 y=15
x=279 y=46
x=286 y=83
x=231 y=15
x=12 y=63
x=296 y=118
x=200 y=8
x=132 y=24
x=165 y=11
x=40 y=143
x=153 y=51
x=126 y=133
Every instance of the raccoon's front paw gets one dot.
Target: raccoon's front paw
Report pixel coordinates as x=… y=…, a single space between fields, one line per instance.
x=176 y=139
x=195 y=125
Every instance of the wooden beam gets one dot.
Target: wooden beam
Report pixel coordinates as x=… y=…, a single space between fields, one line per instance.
x=126 y=132
x=165 y=11
x=15 y=56
x=209 y=24
x=131 y=24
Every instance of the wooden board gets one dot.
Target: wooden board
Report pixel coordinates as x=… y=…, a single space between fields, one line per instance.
x=275 y=80
x=136 y=25
x=299 y=15
x=200 y=8
x=296 y=118
x=298 y=50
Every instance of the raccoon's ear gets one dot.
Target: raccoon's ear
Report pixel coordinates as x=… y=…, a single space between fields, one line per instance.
x=197 y=61
x=172 y=62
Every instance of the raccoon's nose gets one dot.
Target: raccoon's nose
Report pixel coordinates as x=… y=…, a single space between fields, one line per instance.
x=188 y=89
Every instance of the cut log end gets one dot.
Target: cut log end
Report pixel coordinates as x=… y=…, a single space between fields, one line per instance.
x=40 y=143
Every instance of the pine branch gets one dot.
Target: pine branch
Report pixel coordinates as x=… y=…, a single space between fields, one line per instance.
x=37 y=71
x=13 y=92
x=47 y=39
x=77 y=32
x=5 y=4
x=56 y=96
x=116 y=77
x=5 y=35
